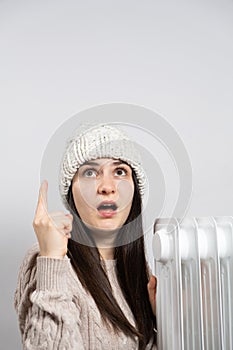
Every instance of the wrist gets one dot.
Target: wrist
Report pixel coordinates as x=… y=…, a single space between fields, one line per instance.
x=51 y=274
x=52 y=255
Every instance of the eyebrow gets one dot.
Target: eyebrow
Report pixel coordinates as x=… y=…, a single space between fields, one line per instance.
x=117 y=162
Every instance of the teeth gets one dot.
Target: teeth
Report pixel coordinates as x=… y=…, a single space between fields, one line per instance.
x=107 y=206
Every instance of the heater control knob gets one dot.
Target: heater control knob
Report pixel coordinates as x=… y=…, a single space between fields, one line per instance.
x=162 y=246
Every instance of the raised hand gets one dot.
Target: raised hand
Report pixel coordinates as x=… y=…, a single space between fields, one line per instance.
x=52 y=229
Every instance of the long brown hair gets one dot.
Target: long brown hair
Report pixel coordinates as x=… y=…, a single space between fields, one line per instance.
x=131 y=268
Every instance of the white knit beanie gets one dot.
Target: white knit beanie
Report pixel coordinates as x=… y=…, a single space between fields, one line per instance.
x=99 y=141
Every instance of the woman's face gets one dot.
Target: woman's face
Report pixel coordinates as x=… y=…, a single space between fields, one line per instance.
x=103 y=191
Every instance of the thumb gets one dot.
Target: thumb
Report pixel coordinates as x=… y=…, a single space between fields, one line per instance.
x=151 y=287
x=152 y=284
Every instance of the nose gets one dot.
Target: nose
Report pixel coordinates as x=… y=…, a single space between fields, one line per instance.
x=106 y=185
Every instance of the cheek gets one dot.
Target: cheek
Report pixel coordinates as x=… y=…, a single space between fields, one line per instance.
x=84 y=194
x=126 y=191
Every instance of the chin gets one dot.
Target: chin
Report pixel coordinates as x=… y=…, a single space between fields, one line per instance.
x=101 y=227
x=107 y=228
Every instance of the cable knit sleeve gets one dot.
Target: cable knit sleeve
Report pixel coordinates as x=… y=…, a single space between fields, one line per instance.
x=48 y=317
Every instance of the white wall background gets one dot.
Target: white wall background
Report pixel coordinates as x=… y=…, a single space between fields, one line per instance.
x=60 y=57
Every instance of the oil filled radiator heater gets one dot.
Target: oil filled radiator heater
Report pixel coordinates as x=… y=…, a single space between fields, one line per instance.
x=193 y=260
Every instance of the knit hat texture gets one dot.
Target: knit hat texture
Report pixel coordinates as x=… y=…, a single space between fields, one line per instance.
x=99 y=141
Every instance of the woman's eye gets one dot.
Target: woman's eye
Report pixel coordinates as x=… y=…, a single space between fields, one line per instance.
x=121 y=172
x=89 y=173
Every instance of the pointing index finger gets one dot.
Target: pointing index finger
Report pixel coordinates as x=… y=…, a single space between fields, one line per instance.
x=42 y=204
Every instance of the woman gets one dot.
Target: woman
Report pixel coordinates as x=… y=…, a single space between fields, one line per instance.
x=86 y=285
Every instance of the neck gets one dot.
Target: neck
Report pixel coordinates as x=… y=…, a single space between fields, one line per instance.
x=104 y=241
x=106 y=253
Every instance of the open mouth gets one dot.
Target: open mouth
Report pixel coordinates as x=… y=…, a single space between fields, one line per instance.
x=107 y=206
x=107 y=209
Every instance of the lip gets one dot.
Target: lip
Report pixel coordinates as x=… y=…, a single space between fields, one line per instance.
x=107 y=213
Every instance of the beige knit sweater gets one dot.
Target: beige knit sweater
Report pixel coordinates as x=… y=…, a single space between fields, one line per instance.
x=56 y=312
